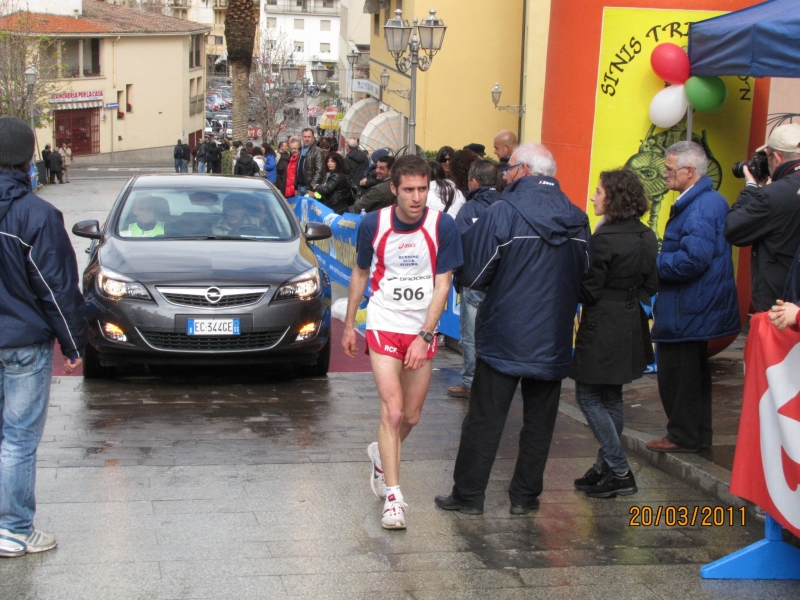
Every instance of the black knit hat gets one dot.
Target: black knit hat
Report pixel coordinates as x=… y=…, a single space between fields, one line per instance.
x=16 y=142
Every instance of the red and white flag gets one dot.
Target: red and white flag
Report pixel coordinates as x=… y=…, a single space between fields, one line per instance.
x=766 y=467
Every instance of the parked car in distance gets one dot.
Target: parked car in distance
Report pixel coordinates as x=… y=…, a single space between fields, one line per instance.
x=204 y=270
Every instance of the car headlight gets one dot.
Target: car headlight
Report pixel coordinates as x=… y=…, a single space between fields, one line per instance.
x=118 y=286
x=304 y=286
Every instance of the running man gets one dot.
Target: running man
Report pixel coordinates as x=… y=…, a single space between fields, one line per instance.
x=408 y=253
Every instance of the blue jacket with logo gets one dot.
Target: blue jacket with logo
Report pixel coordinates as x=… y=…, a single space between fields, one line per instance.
x=697 y=291
x=477 y=201
x=39 y=293
x=529 y=251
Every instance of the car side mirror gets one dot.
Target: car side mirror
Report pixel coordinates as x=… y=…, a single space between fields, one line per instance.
x=87 y=229
x=318 y=231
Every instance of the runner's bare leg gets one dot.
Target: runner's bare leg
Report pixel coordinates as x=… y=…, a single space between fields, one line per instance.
x=402 y=393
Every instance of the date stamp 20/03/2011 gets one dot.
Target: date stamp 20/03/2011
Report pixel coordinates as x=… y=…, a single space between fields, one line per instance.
x=686 y=516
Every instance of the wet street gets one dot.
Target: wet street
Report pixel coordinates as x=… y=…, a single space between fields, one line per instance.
x=249 y=483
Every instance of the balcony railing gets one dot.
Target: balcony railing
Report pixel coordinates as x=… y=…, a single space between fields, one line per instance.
x=221 y=4
x=318 y=7
x=178 y=3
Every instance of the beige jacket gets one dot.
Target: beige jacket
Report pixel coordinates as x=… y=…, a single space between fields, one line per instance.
x=66 y=154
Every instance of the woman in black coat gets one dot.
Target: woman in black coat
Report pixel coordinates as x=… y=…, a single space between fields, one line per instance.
x=283 y=162
x=613 y=344
x=335 y=190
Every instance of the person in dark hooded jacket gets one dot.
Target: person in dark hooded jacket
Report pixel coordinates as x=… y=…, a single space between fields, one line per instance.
x=530 y=252
x=482 y=195
x=40 y=300
x=245 y=165
x=357 y=161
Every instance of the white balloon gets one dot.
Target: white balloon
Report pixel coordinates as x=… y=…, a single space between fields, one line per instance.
x=668 y=106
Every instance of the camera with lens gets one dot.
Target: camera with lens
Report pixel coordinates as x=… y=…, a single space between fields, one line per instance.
x=758 y=165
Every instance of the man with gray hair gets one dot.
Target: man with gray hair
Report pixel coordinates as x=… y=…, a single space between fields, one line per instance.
x=767 y=217
x=696 y=299
x=529 y=252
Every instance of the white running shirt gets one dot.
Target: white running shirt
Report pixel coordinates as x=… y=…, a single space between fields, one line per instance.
x=402 y=274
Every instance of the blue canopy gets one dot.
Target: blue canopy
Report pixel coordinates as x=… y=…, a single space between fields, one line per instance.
x=760 y=41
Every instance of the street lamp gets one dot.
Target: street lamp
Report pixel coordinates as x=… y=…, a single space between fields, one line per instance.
x=30 y=78
x=352 y=60
x=291 y=73
x=515 y=109
x=385 y=84
x=427 y=36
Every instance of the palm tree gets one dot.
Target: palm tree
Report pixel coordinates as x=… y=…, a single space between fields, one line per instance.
x=240 y=34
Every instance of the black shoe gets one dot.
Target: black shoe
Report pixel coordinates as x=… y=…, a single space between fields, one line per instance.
x=450 y=503
x=590 y=478
x=612 y=484
x=524 y=509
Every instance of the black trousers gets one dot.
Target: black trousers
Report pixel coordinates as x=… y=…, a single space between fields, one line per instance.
x=684 y=383
x=489 y=401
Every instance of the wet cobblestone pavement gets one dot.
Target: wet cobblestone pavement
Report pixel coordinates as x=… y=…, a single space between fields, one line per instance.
x=232 y=484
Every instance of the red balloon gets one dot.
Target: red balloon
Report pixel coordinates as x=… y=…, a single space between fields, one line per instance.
x=671 y=63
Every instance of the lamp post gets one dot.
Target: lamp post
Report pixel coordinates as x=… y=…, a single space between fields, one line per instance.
x=319 y=74
x=290 y=72
x=515 y=109
x=385 y=84
x=30 y=78
x=352 y=60
x=401 y=37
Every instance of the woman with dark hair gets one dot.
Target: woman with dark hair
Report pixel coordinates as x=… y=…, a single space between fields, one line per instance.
x=443 y=157
x=334 y=191
x=284 y=156
x=613 y=344
x=442 y=193
x=459 y=168
x=270 y=163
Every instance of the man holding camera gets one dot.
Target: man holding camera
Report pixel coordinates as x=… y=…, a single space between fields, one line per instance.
x=766 y=216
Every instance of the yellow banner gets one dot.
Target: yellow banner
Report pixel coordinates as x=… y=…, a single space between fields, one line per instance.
x=623 y=133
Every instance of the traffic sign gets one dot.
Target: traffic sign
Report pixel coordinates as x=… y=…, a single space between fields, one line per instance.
x=331 y=113
x=112 y=105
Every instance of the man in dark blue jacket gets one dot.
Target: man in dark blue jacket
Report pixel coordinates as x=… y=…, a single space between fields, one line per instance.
x=482 y=194
x=696 y=300
x=39 y=300
x=529 y=251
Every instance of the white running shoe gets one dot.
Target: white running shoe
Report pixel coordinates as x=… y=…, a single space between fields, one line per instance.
x=17 y=544
x=394 y=515
x=376 y=480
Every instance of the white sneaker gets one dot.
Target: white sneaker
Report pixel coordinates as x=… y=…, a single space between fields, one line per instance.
x=377 y=480
x=394 y=515
x=17 y=544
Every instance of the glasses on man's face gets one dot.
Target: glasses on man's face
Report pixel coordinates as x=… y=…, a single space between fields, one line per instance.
x=668 y=171
x=509 y=167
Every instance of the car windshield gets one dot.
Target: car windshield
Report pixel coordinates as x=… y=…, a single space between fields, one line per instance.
x=210 y=213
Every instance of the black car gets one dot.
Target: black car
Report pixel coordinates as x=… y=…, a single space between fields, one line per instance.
x=204 y=269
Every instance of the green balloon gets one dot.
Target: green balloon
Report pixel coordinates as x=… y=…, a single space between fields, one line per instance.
x=705 y=94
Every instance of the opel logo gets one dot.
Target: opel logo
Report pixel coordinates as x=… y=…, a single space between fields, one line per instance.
x=213 y=295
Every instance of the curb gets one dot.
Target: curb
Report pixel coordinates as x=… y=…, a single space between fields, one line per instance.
x=694 y=470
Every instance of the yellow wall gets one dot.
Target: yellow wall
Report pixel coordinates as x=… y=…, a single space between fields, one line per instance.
x=482 y=46
x=158 y=69
x=536 y=35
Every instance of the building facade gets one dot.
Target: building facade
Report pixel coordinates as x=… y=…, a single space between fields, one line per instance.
x=135 y=81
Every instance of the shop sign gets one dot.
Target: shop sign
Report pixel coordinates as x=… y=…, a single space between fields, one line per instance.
x=366 y=86
x=63 y=97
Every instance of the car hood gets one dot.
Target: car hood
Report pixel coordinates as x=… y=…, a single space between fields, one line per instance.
x=172 y=261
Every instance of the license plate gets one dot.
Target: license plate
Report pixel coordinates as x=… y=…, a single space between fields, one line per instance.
x=213 y=327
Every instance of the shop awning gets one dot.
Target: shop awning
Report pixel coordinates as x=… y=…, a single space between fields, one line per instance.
x=759 y=41
x=78 y=105
x=357 y=117
x=387 y=130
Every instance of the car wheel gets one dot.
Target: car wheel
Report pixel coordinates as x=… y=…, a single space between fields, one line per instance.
x=319 y=368
x=92 y=369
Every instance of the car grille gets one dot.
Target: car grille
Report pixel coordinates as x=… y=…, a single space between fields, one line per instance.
x=213 y=297
x=170 y=340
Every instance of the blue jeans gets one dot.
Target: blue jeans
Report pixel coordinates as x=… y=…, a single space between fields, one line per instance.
x=184 y=165
x=602 y=407
x=25 y=375
x=201 y=167
x=470 y=300
x=178 y=162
